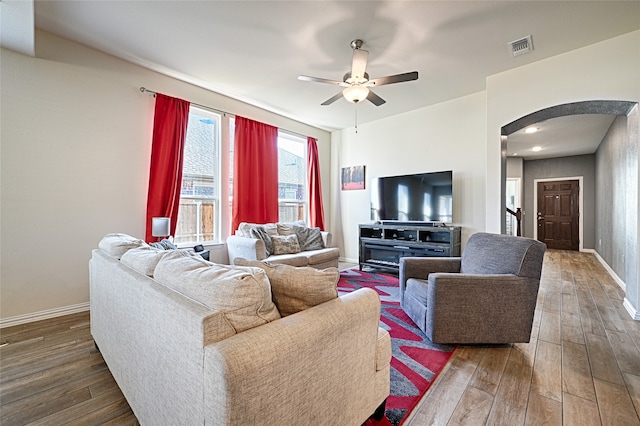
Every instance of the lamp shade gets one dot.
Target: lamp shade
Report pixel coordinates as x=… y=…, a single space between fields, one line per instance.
x=160 y=226
x=355 y=93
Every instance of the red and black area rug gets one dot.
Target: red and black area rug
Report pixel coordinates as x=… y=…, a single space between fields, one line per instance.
x=415 y=362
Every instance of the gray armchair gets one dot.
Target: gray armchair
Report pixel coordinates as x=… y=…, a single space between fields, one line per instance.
x=486 y=296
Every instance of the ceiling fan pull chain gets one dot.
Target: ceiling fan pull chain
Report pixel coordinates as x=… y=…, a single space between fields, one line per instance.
x=356 y=117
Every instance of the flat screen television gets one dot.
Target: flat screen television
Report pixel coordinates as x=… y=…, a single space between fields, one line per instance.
x=420 y=197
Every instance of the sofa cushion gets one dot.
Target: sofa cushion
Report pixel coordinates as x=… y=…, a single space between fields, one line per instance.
x=419 y=289
x=291 y=259
x=297 y=288
x=285 y=244
x=323 y=255
x=143 y=259
x=243 y=294
x=115 y=245
x=308 y=238
x=286 y=228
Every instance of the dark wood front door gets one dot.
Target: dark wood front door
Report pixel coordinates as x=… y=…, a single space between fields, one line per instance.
x=558 y=214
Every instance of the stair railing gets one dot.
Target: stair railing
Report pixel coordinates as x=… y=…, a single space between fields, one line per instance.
x=518 y=215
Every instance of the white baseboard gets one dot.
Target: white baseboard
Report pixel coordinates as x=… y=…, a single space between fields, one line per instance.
x=42 y=315
x=344 y=259
x=632 y=311
x=615 y=276
x=635 y=314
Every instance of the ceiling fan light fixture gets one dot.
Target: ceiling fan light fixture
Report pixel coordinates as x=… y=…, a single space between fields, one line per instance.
x=355 y=93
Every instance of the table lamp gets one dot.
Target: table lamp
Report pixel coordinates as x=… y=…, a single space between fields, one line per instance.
x=160 y=227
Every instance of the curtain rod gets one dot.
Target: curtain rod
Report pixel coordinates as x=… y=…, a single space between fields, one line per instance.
x=151 y=92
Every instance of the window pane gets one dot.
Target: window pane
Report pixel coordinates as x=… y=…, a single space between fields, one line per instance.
x=200 y=179
x=292 y=177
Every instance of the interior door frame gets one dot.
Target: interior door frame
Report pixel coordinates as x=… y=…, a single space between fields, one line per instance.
x=580 y=205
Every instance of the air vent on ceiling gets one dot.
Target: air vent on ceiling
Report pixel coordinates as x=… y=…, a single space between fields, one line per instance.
x=520 y=46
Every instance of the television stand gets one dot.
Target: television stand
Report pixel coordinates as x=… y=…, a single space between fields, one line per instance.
x=395 y=222
x=382 y=245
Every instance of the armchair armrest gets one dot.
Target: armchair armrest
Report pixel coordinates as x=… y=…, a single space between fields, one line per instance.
x=421 y=267
x=327 y=238
x=247 y=248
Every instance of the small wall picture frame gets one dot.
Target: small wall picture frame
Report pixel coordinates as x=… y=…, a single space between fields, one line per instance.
x=353 y=178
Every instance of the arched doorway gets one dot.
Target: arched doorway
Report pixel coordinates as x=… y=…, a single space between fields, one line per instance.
x=562 y=231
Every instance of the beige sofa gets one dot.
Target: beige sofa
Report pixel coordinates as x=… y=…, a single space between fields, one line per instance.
x=192 y=343
x=259 y=242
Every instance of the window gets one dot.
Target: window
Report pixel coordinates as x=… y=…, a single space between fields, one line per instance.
x=198 y=216
x=292 y=178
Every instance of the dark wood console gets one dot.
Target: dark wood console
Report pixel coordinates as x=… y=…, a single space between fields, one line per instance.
x=382 y=245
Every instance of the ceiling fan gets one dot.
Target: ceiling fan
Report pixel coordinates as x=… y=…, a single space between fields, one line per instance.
x=357 y=83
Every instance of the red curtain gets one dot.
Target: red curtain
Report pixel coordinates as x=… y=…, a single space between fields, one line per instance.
x=167 y=151
x=255 y=173
x=316 y=210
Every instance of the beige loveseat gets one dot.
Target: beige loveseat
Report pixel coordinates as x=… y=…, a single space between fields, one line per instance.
x=190 y=342
x=292 y=244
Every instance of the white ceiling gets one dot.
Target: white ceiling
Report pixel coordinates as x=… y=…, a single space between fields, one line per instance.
x=254 y=50
x=560 y=137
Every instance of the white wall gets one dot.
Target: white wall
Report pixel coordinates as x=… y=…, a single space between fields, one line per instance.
x=76 y=141
x=609 y=70
x=447 y=136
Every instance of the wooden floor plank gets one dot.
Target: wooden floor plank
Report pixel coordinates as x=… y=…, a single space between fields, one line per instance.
x=35 y=408
x=550 y=327
x=576 y=372
x=633 y=385
x=625 y=351
x=97 y=410
x=473 y=408
x=509 y=406
x=602 y=359
x=487 y=375
x=543 y=411
x=578 y=411
x=572 y=328
x=615 y=404
x=451 y=385
x=547 y=371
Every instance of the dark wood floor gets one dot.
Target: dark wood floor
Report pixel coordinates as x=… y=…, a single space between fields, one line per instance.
x=581 y=367
x=51 y=374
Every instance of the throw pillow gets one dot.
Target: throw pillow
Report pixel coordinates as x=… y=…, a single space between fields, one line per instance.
x=260 y=233
x=285 y=244
x=308 y=238
x=143 y=259
x=242 y=294
x=116 y=245
x=244 y=229
x=297 y=288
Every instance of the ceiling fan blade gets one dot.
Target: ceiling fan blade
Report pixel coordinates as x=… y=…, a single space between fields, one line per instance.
x=375 y=99
x=398 y=78
x=332 y=99
x=322 y=80
x=359 y=63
